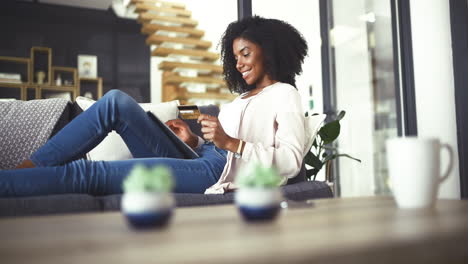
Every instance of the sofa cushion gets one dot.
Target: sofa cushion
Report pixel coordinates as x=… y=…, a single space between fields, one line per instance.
x=76 y=203
x=49 y=204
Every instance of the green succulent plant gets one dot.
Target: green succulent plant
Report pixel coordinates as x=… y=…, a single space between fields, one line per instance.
x=256 y=175
x=143 y=179
x=322 y=150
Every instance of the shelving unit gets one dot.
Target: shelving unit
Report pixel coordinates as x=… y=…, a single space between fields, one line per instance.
x=41 y=60
x=17 y=65
x=38 y=54
x=43 y=89
x=24 y=63
x=95 y=82
x=31 y=92
x=69 y=75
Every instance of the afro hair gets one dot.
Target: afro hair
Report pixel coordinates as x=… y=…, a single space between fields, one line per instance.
x=283 y=47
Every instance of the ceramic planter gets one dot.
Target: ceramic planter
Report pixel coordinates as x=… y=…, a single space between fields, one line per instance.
x=147 y=209
x=258 y=204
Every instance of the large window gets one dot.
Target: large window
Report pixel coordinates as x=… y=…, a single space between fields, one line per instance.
x=363 y=83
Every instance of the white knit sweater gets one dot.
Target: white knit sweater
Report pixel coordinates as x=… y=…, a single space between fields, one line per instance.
x=271 y=124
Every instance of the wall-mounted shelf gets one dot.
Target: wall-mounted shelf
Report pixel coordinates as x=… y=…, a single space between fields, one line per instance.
x=41 y=60
x=90 y=85
x=68 y=76
x=15 y=65
x=48 y=91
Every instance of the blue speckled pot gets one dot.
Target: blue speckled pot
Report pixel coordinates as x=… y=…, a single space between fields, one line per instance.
x=258 y=204
x=147 y=220
x=259 y=213
x=147 y=210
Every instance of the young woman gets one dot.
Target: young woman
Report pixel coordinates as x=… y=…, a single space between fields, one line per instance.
x=261 y=58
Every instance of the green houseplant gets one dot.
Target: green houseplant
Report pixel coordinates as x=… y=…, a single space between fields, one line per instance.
x=258 y=197
x=142 y=179
x=322 y=150
x=258 y=176
x=147 y=201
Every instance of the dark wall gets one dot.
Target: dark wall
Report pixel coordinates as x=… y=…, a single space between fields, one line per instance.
x=123 y=57
x=459 y=27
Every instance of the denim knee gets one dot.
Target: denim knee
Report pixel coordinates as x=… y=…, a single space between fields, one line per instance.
x=114 y=94
x=120 y=100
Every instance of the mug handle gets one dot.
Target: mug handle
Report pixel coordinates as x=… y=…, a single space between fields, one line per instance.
x=450 y=166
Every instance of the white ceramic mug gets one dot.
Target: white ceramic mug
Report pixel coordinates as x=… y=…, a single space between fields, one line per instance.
x=414 y=169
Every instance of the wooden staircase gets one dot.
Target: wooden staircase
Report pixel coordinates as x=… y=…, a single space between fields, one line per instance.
x=190 y=72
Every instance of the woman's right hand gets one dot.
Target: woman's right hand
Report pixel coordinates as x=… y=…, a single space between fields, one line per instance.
x=213 y=131
x=183 y=131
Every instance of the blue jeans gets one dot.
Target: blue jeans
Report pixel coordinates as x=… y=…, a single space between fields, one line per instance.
x=58 y=171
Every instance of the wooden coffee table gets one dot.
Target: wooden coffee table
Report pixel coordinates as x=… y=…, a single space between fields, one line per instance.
x=356 y=230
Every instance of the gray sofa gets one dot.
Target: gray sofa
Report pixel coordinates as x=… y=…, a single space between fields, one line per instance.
x=297 y=189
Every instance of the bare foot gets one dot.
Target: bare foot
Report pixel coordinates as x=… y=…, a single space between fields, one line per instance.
x=26 y=165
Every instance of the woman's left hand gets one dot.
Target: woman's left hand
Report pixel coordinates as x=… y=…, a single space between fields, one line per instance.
x=214 y=132
x=182 y=130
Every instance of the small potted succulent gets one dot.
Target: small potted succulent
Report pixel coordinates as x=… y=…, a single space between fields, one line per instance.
x=147 y=201
x=258 y=197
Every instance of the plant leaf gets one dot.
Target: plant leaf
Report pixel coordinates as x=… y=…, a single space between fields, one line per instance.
x=330 y=157
x=313 y=161
x=256 y=175
x=348 y=156
x=329 y=132
x=311 y=172
x=340 y=115
x=142 y=179
x=334 y=156
x=315 y=142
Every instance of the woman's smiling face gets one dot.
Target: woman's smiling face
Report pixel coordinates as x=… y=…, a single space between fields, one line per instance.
x=250 y=62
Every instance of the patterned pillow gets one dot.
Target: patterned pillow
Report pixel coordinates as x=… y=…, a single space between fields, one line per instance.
x=25 y=126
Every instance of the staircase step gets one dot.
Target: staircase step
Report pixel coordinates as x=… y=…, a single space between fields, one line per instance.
x=183 y=95
x=153 y=28
x=141 y=7
x=148 y=18
x=158 y=39
x=177 y=80
x=205 y=55
x=158 y=3
x=171 y=65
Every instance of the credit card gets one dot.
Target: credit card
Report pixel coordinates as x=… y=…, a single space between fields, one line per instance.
x=188 y=111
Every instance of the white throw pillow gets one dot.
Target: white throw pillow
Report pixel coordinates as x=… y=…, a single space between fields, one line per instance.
x=313 y=123
x=113 y=147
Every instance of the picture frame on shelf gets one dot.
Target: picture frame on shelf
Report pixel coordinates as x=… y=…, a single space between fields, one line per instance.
x=87 y=66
